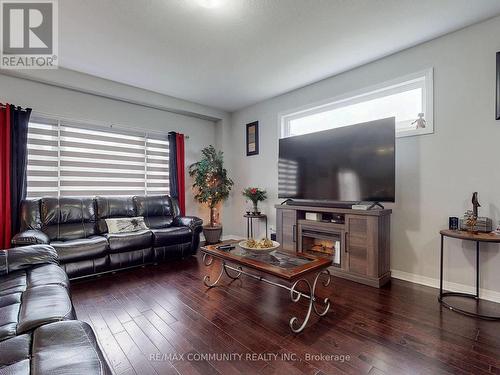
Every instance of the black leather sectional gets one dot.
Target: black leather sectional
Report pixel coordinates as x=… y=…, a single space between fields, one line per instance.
x=77 y=230
x=38 y=330
x=39 y=333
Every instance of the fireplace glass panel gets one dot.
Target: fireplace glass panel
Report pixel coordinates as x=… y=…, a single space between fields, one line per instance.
x=322 y=244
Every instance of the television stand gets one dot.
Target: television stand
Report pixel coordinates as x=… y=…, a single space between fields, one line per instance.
x=357 y=241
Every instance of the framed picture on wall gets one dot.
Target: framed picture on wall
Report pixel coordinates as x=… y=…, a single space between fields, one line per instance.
x=253 y=138
x=497 y=115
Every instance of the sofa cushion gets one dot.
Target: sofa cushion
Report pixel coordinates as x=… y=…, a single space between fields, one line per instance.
x=68 y=218
x=10 y=299
x=80 y=249
x=22 y=312
x=67 y=348
x=119 y=242
x=13 y=350
x=113 y=207
x=49 y=274
x=19 y=281
x=44 y=304
x=9 y=317
x=172 y=236
x=13 y=283
x=156 y=210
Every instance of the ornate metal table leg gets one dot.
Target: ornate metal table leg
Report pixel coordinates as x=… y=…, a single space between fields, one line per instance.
x=326 y=301
x=238 y=273
x=207 y=261
x=296 y=295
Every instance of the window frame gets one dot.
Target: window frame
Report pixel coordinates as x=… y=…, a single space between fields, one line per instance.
x=81 y=126
x=423 y=79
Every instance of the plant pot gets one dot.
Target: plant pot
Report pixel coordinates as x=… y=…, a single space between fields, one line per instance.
x=212 y=234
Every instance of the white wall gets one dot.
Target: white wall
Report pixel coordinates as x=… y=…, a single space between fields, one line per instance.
x=436 y=174
x=57 y=101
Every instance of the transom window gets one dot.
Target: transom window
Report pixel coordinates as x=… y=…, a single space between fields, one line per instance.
x=66 y=159
x=408 y=99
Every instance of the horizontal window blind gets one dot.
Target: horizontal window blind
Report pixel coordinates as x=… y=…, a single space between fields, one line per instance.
x=65 y=159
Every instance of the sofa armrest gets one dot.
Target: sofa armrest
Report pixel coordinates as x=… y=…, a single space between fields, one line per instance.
x=194 y=223
x=24 y=257
x=30 y=237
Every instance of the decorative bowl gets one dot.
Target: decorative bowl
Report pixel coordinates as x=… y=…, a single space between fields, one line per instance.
x=267 y=250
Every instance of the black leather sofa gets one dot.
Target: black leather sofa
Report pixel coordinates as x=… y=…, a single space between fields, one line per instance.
x=77 y=230
x=38 y=333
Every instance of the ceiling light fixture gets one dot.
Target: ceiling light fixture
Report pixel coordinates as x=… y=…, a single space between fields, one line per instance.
x=210 y=4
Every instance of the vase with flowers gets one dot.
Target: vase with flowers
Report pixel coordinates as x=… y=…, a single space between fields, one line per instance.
x=255 y=195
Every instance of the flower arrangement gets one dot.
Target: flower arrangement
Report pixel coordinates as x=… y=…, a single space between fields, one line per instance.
x=256 y=195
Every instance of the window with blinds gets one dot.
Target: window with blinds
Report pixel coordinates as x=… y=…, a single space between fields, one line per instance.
x=65 y=159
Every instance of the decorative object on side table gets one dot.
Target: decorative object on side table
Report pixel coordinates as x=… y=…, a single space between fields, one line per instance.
x=472 y=222
x=497 y=230
x=212 y=186
x=252 y=137
x=475 y=204
x=453 y=223
x=256 y=195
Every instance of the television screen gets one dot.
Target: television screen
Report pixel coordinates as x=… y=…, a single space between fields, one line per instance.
x=348 y=164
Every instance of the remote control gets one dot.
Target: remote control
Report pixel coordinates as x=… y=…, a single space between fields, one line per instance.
x=226 y=247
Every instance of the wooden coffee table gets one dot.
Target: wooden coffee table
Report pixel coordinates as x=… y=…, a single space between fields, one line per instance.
x=296 y=269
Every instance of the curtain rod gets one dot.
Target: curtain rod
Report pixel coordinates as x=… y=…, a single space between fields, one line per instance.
x=92 y=124
x=19 y=108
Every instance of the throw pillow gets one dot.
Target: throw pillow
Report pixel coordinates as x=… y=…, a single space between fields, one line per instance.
x=126 y=224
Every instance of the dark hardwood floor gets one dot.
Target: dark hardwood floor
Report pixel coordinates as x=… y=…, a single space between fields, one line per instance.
x=163 y=320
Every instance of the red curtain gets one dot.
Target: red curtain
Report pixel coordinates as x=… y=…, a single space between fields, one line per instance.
x=181 y=183
x=5 y=214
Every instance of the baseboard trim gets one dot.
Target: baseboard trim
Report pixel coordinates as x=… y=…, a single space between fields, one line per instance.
x=486 y=294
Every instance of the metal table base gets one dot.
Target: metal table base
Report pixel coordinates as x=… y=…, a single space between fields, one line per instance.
x=443 y=295
x=295 y=295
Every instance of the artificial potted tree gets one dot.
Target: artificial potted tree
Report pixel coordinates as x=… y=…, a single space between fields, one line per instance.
x=211 y=186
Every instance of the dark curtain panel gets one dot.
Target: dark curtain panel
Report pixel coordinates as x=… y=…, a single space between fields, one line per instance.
x=5 y=218
x=172 y=164
x=181 y=185
x=19 y=119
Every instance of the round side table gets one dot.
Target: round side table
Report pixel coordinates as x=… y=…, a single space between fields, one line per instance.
x=466 y=236
x=250 y=218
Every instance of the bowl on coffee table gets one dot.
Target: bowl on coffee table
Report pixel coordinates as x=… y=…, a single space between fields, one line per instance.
x=259 y=250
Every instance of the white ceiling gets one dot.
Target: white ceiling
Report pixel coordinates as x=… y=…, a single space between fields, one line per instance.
x=244 y=51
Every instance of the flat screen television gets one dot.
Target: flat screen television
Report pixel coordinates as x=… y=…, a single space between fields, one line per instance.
x=348 y=164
